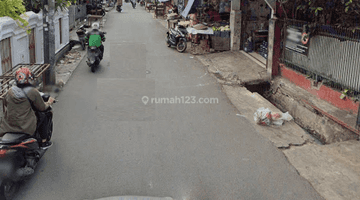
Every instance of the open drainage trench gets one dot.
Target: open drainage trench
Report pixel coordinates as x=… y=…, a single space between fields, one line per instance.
x=264 y=89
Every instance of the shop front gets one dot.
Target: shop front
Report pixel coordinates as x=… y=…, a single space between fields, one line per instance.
x=255 y=28
x=208 y=23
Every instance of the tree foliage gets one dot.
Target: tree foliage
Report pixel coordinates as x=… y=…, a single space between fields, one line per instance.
x=344 y=13
x=37 y=5
x=14 y=9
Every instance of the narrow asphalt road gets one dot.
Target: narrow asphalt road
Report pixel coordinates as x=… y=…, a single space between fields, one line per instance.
x=107 y=142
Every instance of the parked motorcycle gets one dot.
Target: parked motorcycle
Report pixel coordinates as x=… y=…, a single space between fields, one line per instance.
x=94 y=57
x=96 y=8
x=177 y=37
x=20 y=152
x=133 y=4
x=118 y=8
x=81 y=33
x=142 y=3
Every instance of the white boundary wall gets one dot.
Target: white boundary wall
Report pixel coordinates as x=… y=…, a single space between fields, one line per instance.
x=20 y=40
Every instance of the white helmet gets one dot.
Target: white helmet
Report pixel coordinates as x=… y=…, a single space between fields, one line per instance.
x=95 y=25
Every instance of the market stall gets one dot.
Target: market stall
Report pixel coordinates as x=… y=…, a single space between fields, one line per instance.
x=200 y=39
x=208 y=23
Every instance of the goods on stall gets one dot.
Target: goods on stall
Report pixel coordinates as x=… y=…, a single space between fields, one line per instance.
x=184 y=23
x=200 y=27
x=172 y=16
x=221 y=28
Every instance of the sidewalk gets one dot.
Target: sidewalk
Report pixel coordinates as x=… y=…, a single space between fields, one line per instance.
x=333 y=169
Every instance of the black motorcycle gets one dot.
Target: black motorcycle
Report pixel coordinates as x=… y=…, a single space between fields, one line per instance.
x=96 y=8
x=133 y=4
x=19 y=156
x=81 y=33
x=118 y=8
x=94 y=56
x=177 y=37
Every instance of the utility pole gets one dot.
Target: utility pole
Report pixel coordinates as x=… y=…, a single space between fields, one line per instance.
x=49 y=78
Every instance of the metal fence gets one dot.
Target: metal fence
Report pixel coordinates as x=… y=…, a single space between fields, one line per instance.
x=333 y=55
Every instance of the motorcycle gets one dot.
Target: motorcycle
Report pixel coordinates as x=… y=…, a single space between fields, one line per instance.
x=133 y=4
x=18 y=152
x=94 y=57
x=118 y=8
x=81 y=33
x=96 y=8
x=177 y=37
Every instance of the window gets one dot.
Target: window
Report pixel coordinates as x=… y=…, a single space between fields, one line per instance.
x=5 y=48
x=32 y=45
x=60 y=30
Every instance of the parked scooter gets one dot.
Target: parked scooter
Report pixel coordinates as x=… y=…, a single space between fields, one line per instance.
x=177 y=37
x=20 y=152
x=133 y=3
x=118 y=8
x=94 y=57
x=96 y=8
x=81 y=33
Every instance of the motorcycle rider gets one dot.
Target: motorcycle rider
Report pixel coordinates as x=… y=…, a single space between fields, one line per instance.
x=95 y=38
x=20 y=102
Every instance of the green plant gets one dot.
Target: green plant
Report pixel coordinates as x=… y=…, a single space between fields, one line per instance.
x=14 y=9
x=344 y=93
x=342 y=13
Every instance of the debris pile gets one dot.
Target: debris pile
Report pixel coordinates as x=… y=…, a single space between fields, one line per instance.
x=70 y=57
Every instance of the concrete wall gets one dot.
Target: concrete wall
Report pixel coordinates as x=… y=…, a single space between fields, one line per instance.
x=65 y=30
x=80 y=12
x=76 y=12
x=288 y=97
x=20 y=40
x=72 y=16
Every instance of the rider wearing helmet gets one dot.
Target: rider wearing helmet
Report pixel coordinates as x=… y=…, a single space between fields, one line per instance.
x=95 y=38
x=19 y=115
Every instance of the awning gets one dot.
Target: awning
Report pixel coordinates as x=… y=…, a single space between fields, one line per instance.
x=186 y=11
x=163 y=1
